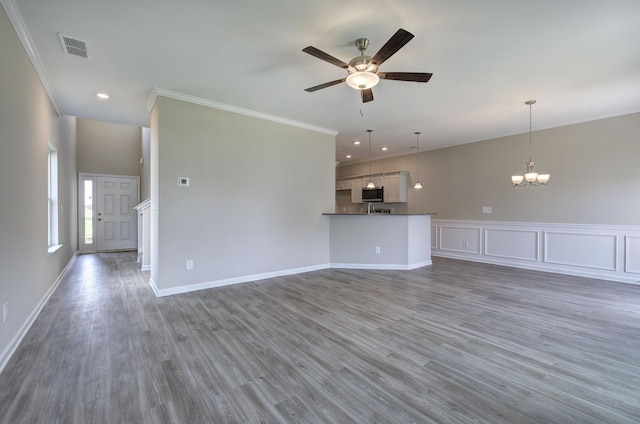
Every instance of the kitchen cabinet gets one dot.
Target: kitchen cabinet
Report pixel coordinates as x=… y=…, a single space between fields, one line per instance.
x=378 y=180
x=356 y=190
x=343 y=185
x=394 y=183
x=395 y=187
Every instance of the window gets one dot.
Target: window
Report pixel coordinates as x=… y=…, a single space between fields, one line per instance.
x=52 y=195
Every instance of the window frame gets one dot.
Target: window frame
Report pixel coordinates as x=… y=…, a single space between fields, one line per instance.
x=52 y=198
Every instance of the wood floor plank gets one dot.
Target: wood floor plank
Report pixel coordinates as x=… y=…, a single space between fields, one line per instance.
x=454 y=342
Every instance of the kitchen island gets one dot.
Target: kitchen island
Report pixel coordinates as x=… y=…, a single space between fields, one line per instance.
x=380 y=241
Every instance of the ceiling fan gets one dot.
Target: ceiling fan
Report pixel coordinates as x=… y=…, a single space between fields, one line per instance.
x=363 y=70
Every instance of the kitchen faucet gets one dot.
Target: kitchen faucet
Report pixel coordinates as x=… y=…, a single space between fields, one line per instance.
x=371 y=209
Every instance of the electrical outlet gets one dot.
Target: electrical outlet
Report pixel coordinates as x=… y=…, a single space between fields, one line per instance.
x=465 y=243
x=189 y=264
x=377 y=250
x=487 y=209
x=5 y=311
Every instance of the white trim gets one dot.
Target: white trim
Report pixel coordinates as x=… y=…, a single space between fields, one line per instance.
x=23 y=34
x=142 y=205
x=82 y=176
x=396 y=267
x=154 y=287
x=477 y=246
x=589 y=263
x=54 y=248
x=543 y=268
x=17 y=339
x=629 y=254
x=487 y=249
x=547 y=258
x=255 y=277
x=235 y=280
x=156 y=91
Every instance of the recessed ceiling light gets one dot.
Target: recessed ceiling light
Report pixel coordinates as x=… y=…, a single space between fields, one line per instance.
x=102 y=95
x=348 y=156
x=384 y=149
x=356 y=142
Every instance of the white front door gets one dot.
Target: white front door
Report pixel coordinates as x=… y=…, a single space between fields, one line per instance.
x=116 y=226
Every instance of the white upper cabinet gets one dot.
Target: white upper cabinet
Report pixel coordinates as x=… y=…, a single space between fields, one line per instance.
x=343 y=185
x=395 y=187
x=394 y=183
x=356 y=190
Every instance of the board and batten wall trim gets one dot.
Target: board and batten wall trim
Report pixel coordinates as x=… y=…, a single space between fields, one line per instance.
x=609 y=252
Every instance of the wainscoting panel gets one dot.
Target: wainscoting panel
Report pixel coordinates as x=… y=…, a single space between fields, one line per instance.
x=583 y=250
x=632 y=257
x=461 y=239
x=511 y=243
x=434 y=237
x=609 y=252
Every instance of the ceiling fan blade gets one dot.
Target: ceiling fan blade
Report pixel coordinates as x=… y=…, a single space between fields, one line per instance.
x=325 y=85
x=325 y=56
x=406 y=76
x=367 y=95
x=395 y=43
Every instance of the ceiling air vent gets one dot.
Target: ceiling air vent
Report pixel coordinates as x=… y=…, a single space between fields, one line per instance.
x=73 y=46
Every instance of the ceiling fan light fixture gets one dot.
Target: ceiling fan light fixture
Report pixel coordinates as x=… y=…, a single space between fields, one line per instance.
x=362 y=80
x=363 y=70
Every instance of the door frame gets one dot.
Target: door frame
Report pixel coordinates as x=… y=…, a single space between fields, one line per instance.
x=86 y=176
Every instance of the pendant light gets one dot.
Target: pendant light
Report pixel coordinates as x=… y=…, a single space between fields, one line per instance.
x=530 y=178
x=417 y=186
x=370 y=185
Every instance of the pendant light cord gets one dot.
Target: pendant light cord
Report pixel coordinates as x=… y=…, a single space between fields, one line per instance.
x=530 y=102
x=370 y=174
x=417 y=133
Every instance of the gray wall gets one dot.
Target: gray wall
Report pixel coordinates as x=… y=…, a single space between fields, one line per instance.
x=108 y=148
x=595 y=176
x=257 y=192
x=28 y=122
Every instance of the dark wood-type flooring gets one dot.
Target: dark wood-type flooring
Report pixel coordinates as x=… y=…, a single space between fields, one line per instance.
x=456 y=342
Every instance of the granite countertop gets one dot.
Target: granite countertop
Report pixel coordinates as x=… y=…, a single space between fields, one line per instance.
x=378 y=214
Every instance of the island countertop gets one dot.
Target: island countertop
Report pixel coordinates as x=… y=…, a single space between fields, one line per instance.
x=399 y=241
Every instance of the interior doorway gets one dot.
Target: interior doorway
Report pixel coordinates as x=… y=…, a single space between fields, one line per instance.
x=106 y=218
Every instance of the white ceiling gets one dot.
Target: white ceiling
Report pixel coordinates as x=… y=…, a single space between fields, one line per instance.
x=580 y=59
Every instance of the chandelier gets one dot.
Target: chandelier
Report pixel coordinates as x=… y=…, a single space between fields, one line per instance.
x=530 y=178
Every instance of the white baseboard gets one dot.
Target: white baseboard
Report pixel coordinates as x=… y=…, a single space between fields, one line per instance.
x=229 y=281
x=398 y=267
x=17 y=339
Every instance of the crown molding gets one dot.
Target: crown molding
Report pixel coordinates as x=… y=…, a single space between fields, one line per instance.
x=156 y=91
x=20 y=27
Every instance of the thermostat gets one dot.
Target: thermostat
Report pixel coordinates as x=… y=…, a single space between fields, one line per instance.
x=183 y=182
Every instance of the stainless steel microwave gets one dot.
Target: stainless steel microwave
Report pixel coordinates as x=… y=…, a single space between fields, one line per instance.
x=372 y=194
